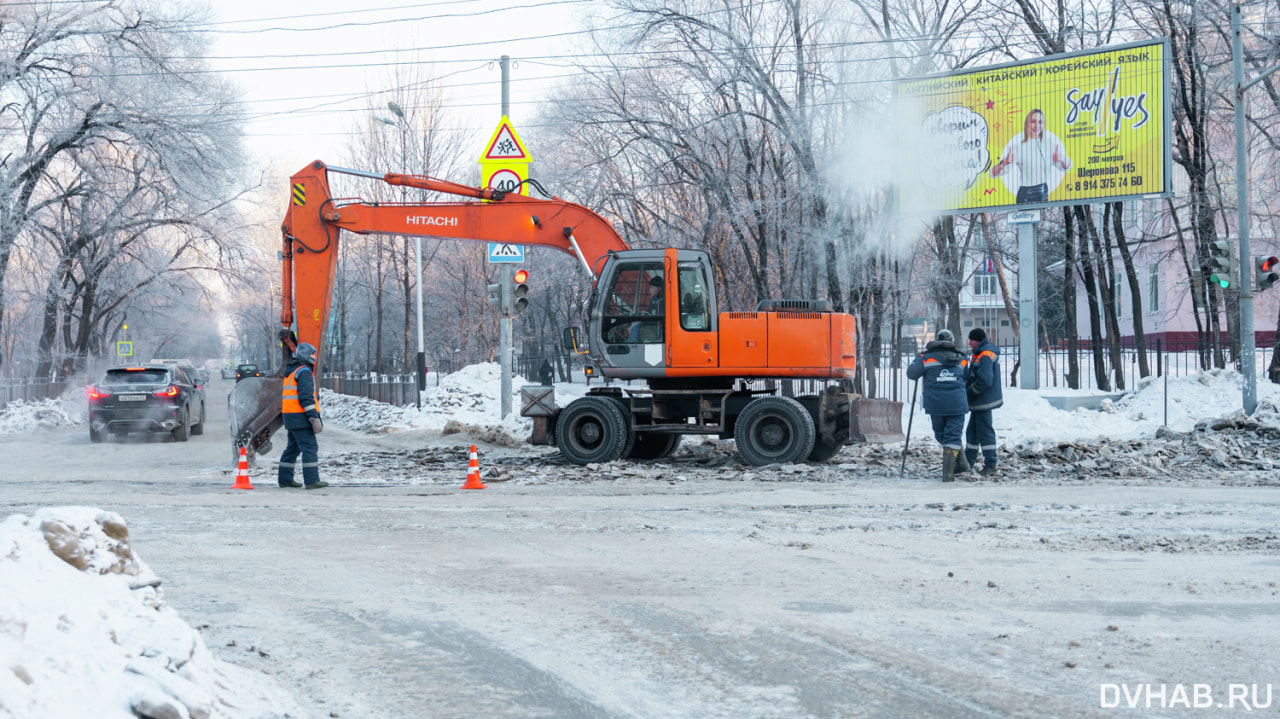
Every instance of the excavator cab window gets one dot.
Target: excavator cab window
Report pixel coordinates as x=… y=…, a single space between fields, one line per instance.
x=636 y=305
x=694 y=313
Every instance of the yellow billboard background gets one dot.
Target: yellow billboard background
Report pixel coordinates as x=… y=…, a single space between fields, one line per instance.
x=978 y=146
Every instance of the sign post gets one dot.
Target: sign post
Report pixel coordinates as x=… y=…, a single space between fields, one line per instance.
x=504 y=165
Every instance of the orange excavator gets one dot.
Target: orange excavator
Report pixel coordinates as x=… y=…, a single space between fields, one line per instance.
x=652 y=317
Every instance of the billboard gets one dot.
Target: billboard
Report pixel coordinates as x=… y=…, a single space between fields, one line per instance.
x=1067 y=129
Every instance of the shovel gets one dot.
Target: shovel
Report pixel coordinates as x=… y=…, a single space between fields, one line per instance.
x=910 y=418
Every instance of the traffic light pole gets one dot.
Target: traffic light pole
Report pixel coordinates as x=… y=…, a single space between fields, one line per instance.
x=504 y=340
x=1242 y=220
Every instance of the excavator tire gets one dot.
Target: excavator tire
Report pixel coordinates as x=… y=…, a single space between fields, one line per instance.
x=651 y=445
x=591 y=430
x=626 y=422
x=774 y=430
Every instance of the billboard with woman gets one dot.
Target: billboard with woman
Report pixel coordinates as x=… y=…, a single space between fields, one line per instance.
x=1067 y=129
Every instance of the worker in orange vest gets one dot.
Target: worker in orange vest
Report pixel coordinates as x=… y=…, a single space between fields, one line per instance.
x=300 y=405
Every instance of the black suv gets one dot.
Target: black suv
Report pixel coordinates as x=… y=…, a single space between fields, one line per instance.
x=247 y=370
x=146 y=398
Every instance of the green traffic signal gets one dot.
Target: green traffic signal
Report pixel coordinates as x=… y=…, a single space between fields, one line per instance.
x=1221 y=263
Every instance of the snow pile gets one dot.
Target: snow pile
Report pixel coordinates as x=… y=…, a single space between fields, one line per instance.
x=85 y=632
x=22 y=416
x=468 y=400
x=1027 y=415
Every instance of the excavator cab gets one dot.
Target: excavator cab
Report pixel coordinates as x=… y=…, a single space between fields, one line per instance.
x=654 y=310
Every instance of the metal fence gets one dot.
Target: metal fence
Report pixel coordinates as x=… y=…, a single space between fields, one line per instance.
x=29 y=389
x=887 y=379
x=396 y=389
x=1175 y=359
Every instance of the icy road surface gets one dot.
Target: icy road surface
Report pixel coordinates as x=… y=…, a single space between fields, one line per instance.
x=695 y=589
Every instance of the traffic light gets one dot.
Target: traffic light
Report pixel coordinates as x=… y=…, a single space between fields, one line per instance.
x=497 y=297
x=1221 y=264
x=520 y=294
x=1267 y=273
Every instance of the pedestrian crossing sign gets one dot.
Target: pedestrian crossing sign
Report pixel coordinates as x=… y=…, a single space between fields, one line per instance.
x=500 y=252
x=124 y=349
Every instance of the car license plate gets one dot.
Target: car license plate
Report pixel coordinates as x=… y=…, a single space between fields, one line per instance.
x=133 y=398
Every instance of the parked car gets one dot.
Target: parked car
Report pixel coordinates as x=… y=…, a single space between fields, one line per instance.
x=145 y=398
x=248 y=370
x=228 y=373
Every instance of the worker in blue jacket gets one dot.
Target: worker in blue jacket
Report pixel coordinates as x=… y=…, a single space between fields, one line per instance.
x=942 y=367
x=983 y=382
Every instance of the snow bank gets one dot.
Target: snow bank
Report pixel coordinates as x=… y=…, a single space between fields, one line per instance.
x=85 y=632
x=21 y=416
x=1027 y=414
x=469 y=397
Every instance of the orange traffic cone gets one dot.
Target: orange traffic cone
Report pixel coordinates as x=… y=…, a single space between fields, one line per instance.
x=242 y=472
x=473 y=472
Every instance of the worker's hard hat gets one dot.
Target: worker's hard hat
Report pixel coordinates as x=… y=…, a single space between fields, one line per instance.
x=305 y=353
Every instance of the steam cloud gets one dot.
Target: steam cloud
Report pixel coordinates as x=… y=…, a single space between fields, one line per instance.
x=954 y=148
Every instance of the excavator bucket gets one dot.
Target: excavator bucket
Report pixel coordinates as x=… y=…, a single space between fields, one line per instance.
x=875 y=420
x=253 y=408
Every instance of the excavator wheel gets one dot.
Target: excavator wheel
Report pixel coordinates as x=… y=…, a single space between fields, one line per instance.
x=651 y=445
x=774 y=430
x=626 y=422
x=591 y=430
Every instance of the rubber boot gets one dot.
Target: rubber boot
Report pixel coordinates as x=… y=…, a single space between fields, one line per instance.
x=962 y=463
x=949 y=464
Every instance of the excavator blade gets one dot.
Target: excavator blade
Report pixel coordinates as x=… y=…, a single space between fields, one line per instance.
x=875 y=420
x=253 y=408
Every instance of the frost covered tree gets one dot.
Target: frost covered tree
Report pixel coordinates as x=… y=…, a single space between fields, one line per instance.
x=90 y=86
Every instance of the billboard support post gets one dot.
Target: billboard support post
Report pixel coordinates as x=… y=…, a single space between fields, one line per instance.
x=1028 y=310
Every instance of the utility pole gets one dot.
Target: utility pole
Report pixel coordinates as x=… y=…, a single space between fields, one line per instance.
x=504 y=319
x=1247 y=341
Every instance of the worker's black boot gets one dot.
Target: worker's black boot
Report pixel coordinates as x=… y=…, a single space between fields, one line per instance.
x=949 y=465
x=962 y=463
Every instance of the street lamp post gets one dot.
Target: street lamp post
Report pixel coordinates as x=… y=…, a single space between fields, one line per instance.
x=421 y=358
x=1247 y=340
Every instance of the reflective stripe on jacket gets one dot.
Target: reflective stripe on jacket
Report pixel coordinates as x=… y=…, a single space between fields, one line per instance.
x=983 y=378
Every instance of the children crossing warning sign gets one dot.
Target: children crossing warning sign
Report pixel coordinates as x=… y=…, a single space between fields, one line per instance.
x=505 y=144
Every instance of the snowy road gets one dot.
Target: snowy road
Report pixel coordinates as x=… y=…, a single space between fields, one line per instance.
x=686 y=593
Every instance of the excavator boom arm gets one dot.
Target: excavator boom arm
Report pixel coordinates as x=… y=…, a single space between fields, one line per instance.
x=312 y=228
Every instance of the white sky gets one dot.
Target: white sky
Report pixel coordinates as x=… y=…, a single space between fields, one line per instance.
x=308 y=70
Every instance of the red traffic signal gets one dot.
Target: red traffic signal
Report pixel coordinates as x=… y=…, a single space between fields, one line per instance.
x=1268 y=271
x=520 y=293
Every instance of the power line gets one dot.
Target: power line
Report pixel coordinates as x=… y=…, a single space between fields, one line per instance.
x=400 y=20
